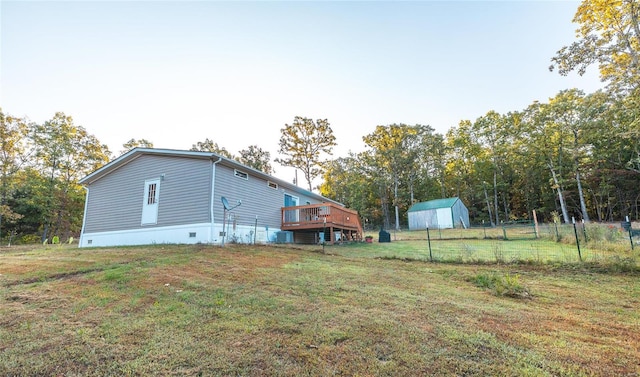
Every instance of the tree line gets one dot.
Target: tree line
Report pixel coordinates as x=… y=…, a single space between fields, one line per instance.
x=41 y=164
x=575 y=155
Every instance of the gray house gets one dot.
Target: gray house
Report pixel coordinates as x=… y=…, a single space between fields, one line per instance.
x=151 y=196
x=439 y=213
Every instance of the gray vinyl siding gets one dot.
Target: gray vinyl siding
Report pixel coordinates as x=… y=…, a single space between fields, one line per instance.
x=115 y=200
x=257 y=198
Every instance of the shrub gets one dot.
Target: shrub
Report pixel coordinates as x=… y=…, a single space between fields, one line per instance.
x=507 y=285
x=609 y=233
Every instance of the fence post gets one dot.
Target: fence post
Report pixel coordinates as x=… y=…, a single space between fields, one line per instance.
x=429 y=241
x=555 y=222
x=575 y=231
x=324 y=233
x=504 y=231
x=630 y=232
x=536 y=230
x=484 y=228
x=584 y=230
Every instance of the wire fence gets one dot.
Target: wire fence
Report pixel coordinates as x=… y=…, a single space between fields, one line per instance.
x=520 y=242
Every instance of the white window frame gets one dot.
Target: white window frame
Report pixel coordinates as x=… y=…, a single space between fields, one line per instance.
x=150 y=210
x=240 y=174
x=272 y=185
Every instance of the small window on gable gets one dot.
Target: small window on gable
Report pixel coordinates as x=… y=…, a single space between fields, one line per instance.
x=273 y=185
x=240 y=174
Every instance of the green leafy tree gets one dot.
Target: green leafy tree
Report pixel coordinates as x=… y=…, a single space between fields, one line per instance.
x=465 y=164
x=257 y=158
x=614 y=163
x=395 y=152
x=135 y=143
x=209 y=145
x=15 y=151
x=346 y=180
x=549 y=143
x=435 y=161
x=491 y=132
x=623 y=118
x=303 y=144
x=575 y=119
x=64 y=154
x=28 y=200
x=608 y=35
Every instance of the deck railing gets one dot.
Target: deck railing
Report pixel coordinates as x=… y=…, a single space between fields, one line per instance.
x=319 y=215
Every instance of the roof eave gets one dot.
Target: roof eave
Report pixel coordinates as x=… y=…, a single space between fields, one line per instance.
x=137 y=152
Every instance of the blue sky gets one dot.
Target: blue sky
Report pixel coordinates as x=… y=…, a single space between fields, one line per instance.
x=178 y=72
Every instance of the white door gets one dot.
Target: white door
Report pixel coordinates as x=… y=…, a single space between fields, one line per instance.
x=445 y=218
x=150 y=202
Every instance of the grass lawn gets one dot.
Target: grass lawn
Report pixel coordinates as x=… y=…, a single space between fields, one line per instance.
x=604 y=246
x=267 y=310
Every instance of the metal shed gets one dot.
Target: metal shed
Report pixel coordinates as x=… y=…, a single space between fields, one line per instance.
x=439 y=213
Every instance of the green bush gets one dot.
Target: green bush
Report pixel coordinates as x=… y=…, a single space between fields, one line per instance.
x=600 y=232
x=507 y=285
x=28 y=239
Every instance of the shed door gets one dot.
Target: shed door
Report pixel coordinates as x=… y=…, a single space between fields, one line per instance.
x=150 y=202
x=445 y=218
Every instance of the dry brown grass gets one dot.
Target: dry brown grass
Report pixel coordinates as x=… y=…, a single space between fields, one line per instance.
x=196 y=310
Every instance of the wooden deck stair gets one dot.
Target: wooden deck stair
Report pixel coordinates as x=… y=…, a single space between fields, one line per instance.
x=308 y=221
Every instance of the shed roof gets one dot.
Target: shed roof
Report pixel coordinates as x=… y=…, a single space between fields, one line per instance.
x=434 y=204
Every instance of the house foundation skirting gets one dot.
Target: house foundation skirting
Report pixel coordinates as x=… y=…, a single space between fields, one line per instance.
x=180 y=234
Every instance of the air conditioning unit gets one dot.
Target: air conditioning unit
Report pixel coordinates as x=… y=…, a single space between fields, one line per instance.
x=284 y=237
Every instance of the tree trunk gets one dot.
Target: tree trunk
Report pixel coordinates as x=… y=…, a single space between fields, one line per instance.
x=307 y=176
x=505 y=203
x=486 y=197
x=385 y=208
x=583 y=206
x=576 y=162
x=495 y=196
x=395 y=200
x=598 y=207
x=45 y=232
x=397 y=218
x=563 y=207
x=3 y=197
x=411 y=188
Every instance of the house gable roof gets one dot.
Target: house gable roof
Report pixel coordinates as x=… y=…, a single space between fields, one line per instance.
x=434 y=204
x=137 y=152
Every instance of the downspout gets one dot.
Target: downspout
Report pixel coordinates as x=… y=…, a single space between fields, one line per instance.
x=84 y=218
x=213 y=189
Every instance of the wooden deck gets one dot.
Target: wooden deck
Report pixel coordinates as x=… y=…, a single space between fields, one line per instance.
x=308 y=222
